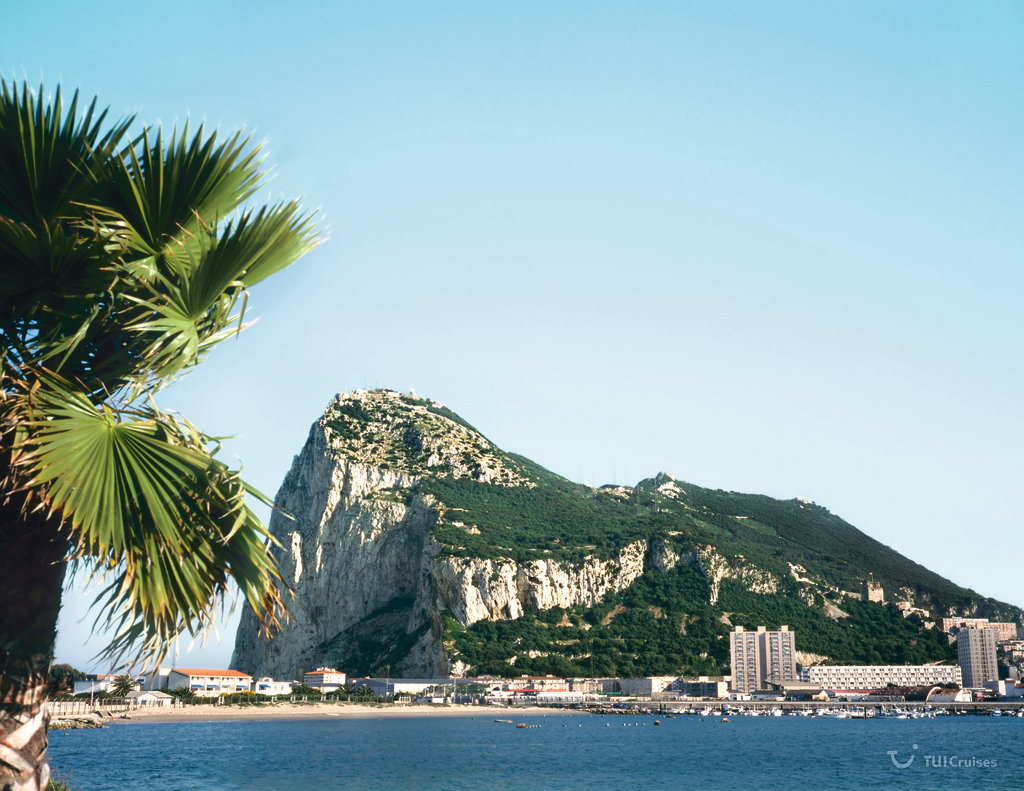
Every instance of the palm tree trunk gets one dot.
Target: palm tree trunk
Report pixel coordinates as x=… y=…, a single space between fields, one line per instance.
x=32 y=564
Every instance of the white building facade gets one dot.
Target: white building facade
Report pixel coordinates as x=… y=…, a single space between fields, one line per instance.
x=325 y=679
x=267 y=686
x=202 y=681
x=644 y=687
x=856 y=677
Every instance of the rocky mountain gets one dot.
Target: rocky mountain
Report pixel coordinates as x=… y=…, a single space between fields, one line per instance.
x=413 y=545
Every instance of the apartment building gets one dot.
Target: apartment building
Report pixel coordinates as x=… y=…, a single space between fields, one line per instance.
x=976 y=650
x=1003 y=630
x=862 y=677
x=761 y=657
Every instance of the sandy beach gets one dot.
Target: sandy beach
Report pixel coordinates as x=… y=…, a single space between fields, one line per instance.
x=316 y=711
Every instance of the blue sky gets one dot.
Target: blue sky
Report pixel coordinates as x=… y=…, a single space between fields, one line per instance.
x=763 y=247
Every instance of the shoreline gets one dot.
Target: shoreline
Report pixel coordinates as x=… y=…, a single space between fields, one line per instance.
x=318 y=711
x=284 y=711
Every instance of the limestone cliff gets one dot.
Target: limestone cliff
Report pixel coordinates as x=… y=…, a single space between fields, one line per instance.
x=369 y=582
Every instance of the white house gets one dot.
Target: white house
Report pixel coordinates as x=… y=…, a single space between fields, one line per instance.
x=101 y=682
x=150 y=697
x=267 y=686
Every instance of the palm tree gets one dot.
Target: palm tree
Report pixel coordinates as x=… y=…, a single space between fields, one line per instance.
x=125 y=256
x=122 y=686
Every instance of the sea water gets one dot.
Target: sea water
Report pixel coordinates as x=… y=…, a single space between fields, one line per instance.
x=564 y=752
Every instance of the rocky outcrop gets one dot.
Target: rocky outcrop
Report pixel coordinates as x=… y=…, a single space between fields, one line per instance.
x=663 y=556
x=806 y=658
x=475 y=589
x=353 y=550
x=716 y=568
x=370 y=586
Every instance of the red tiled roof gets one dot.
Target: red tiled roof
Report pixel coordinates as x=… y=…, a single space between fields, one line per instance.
x=198 y=671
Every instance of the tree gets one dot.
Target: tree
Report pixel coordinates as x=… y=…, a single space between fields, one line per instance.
x=62 y=678
x=122 y=686
x=125 y=256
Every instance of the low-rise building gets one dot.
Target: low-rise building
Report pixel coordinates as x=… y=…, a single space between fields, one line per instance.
x=870 y=677
x=801 y=690
x=202 y=681
x=387 y=687
x=644 y=687
x=150 y=697
x=537 y=684
x=701 y=687
x=587 y=686
x=324 y=679
x=951 y=695
x=100 y=682
x=267 y=686
x=1006 y=689
x=898 y=694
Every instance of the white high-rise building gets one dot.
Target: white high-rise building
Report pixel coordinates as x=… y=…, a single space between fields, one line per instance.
x=761 y=657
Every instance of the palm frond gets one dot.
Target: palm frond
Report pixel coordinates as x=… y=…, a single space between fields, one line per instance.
x=161 y=193
x=45 y=262
x=188 y=312
x=266 y=241
x=42 y=150
x=141 y=495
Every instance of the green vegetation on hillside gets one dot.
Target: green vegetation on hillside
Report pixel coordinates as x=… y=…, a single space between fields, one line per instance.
x=565 y=521
x=664 y=625
x=524 y=523
x=819 y=540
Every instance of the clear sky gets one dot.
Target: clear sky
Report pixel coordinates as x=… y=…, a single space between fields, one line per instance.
x=767 y=247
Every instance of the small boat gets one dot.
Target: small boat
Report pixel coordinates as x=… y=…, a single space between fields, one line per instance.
x=657 y=722
x=725 y=719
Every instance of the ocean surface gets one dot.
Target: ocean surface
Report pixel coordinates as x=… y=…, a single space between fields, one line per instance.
x=565 y=752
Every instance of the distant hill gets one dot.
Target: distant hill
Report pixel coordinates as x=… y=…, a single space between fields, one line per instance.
x=420 y=547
